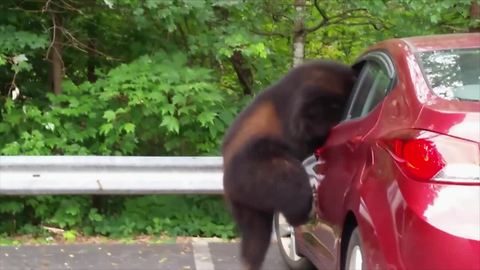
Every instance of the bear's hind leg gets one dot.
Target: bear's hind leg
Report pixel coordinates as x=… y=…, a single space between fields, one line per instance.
x=255 y=229
x=266 y=176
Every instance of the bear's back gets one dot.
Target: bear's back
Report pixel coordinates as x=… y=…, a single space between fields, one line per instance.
x=260 y=119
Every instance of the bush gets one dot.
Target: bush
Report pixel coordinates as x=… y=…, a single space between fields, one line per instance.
x=156 y=105
x=117 y=216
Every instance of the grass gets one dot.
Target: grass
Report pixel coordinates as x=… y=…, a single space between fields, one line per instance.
x=56 y=239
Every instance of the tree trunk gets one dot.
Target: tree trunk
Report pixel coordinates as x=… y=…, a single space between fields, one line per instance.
x=55 y=55
x=474 y=16
x=238 y=61
x=299 y=33
x=244 y=73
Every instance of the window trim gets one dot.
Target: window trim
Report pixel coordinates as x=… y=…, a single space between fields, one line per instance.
x=383 y=59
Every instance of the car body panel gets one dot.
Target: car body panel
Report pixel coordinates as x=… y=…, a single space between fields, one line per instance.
x=443 y=42
x=404 y=223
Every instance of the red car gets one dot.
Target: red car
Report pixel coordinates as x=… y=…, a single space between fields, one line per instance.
x=397 y=184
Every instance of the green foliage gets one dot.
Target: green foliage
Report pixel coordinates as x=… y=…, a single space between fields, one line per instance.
x=118 y=217
x=13 y=41
x=156 y=105
x=70 y=235
x=379 y=20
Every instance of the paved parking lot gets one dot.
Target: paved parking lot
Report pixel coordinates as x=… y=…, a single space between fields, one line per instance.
x=198 y=254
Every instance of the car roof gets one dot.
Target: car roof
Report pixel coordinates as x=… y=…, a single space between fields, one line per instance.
x=443 y=42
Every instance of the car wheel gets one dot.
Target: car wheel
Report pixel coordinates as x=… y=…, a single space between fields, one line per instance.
x=354 y=259
x=286 y=243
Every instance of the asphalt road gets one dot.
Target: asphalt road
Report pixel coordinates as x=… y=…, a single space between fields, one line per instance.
x=198 y=254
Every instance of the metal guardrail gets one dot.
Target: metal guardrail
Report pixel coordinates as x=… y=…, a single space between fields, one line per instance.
x=34 y=175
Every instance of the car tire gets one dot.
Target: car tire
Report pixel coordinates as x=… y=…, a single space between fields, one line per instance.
x=285 y=236
x=354 y=255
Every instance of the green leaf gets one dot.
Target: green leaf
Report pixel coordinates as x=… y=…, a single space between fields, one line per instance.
x=179 y=100
x=109 y=3
x=72 y=209
x=206 y=118
x=11 y=207
x=109 y=115
x=70 y=235
x=21 y=66
x=129 y=127
x=106 y=128
x=168 y=109
x=227 y=117
x=3 y=60
x=171 y=123
x=93 y=215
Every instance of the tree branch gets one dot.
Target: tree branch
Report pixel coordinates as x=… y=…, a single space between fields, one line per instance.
x=348 y=12
x=13 y=85
x=340 y=18
x=54 y=33
x=321 y=11
x=77 y=44
x=316 y=27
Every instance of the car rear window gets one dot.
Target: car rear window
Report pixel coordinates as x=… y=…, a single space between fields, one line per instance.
x=453 y=74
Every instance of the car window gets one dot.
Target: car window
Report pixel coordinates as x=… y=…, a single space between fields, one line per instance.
x=453 y=74
x=371 y=87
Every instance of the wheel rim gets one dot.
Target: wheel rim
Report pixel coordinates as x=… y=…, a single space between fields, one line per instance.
x=286 y=236
x=356 y=260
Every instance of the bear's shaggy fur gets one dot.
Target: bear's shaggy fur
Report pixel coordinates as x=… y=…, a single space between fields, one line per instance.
x=263 y=149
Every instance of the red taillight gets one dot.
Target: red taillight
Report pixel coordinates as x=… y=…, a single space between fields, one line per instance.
x=419 y=157
x=428 y=156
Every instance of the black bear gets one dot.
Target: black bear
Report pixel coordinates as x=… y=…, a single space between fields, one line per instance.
x=264 y=147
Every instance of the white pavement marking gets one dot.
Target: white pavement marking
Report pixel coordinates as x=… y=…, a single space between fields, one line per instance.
x=201 y=254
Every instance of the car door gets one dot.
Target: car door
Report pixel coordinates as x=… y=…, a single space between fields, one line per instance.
x=341 y=160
